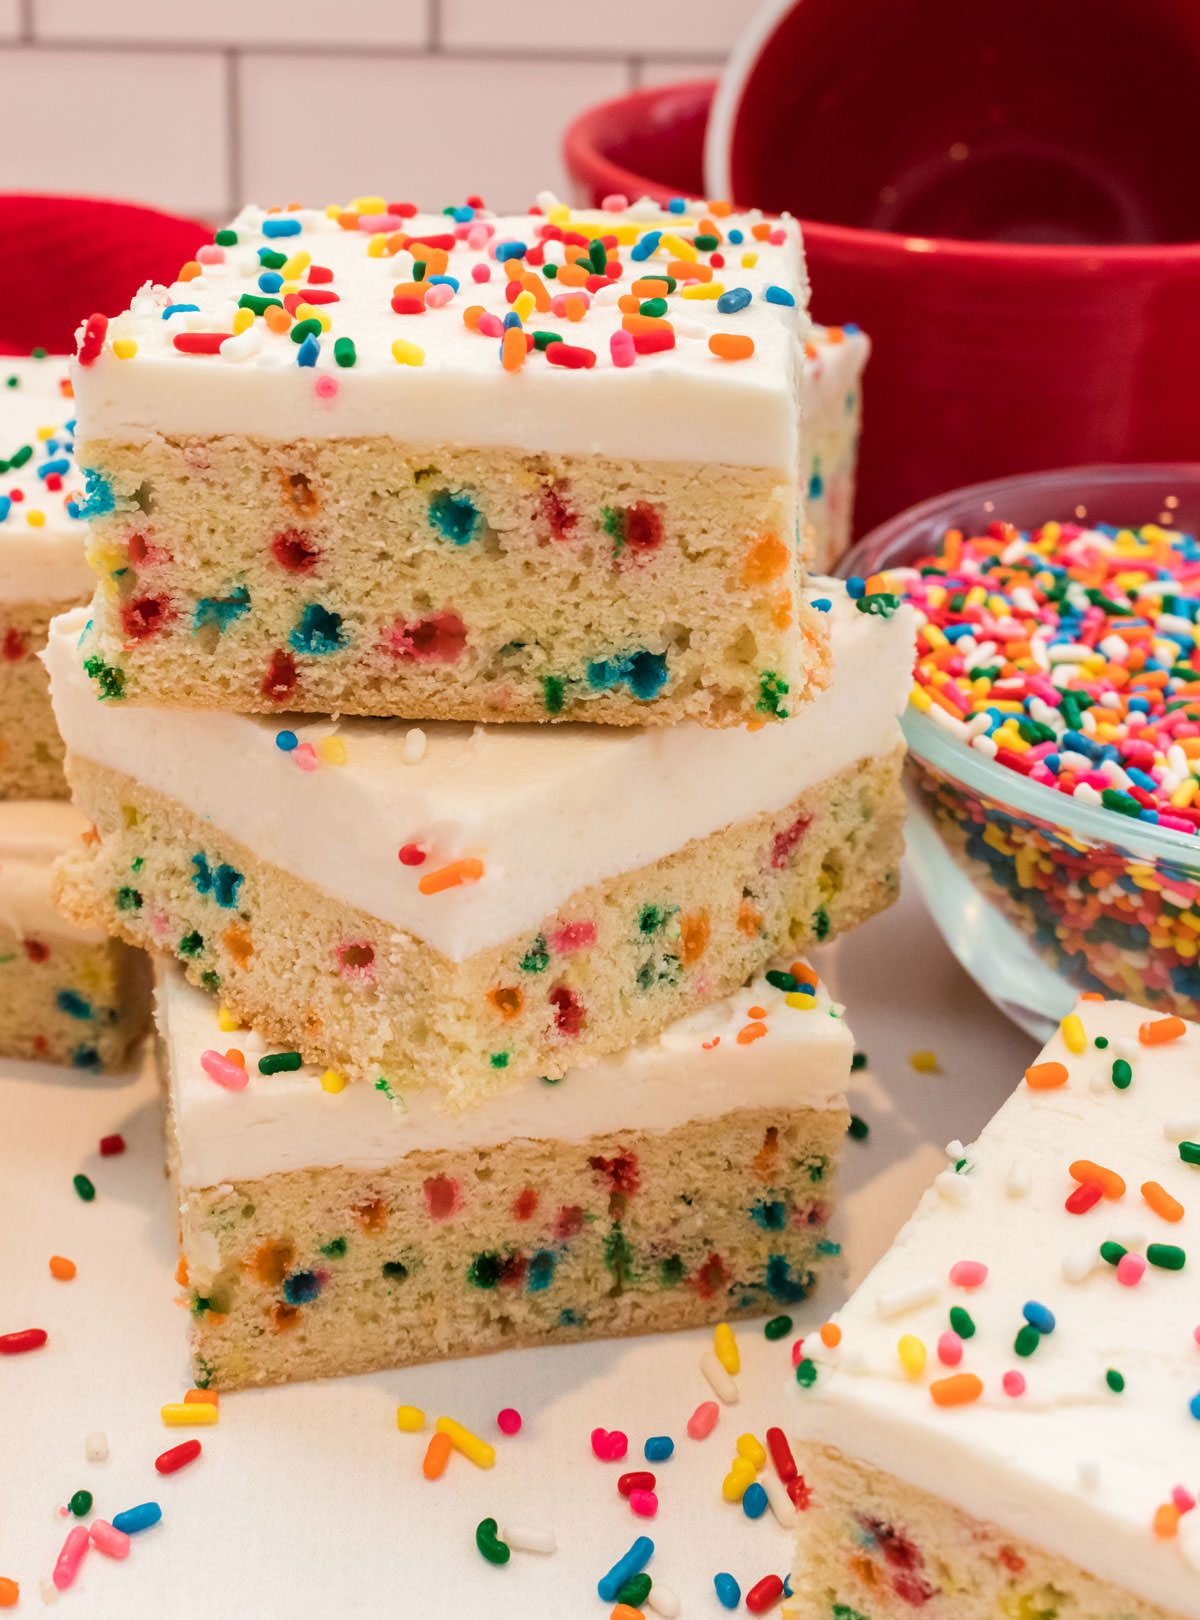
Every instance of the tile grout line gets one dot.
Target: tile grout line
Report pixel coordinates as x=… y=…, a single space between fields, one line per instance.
x=26 y=25
x=233 y=131
x=566 y=55
x=433 y=26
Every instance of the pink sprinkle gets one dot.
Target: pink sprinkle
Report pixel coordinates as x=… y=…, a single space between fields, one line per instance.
x=490 y=325
x=326 y=386
x=380 y=222
x=949 y=1349
x=111 y=1542
x=481 y=272
x=69 y=1560
x=621 y=348
x=968 y=1274
x=574 y=936
x=1196 y=1334
x=643 y=1503
x=305 y=756
x=609 y=1446
x=615 y=202
x=210 y=253
x=1013 y=1382
x=509 y=1420
x=477 y=236
x=777 y=237
x=1130 y=1269
x=440 y=293
x=1183 y=1498
x=703 y=1420
x=219 y=1068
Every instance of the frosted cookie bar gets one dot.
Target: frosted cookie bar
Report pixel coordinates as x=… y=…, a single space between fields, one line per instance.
x=67 y=994
x=1009 y=1424
x=470 y=907
x=834 y=360
x=328 y=1232
x=42 y=566
x=456 y=466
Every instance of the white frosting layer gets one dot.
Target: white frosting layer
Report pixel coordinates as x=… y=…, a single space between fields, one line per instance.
x=1070 y=1465
x=696 y=1070
x=39 y=562
x=682 y=404
x=834 y=360
x=548 y=810
x=33 y=833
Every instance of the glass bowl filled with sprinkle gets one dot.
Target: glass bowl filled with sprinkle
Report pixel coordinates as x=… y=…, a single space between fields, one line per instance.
x=1054 y=729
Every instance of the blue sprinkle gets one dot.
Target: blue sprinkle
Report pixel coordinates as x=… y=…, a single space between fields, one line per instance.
x=778 y=295
x=511 y=249
x=631 y=1563
x=646 y=245
x=541 y=1270
x=754 y=1501
x=308 y=351
x=851 y=328
x=729 y=1593
x=73 y=1004
x=454 y=516
x=281 y=227
x=301 y=1288
x=319 y=631
x=463 y=215
x=736 y=298
x=822 y=604
x=286 y=741
x=6 y=506
x=1039 y=1316
x=658 y=1448
x=221 y=610
x=511 y=319
x=677 y=205
x=270 y=281
x=98 y=499
x=855 y=587
x=61 y=465
x=137 y=1518
x=1194 y=1407
x=181 y=309
x=736 y=236
x=446 y=281
x=87 y=1057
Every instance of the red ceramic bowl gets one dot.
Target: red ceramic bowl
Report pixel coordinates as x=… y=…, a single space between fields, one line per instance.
x=65 y=257
x=990 y=357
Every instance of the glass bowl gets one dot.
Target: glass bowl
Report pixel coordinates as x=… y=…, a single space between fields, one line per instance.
x=1039 y=895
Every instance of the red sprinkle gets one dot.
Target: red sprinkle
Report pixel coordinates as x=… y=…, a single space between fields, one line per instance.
x=641 y=1480
x=765 y=1595
x=16 y=1344
x=1086 y=1196
x=169 y=1462
x=111 y=1144
x=508 y=1421
x=781 y=1455
x=570 y=355
x=412 y=855
x=199 y=342
x=95 y=329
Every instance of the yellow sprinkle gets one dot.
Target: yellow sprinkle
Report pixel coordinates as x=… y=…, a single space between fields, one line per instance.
x=920 y=699
x=410 y=1418
x=703 y=289
x=332 y=210
x=725 y=1348
x=801 y=999
x=332 y=750
x=470 y=1445
x=35 y=519
x=407 y=354
x=559 y=214
x=183 y=1415
x=227 y=1021
x=296 y=265
x=738 y=1479
x=369 y=205
x=751 y=1448
x=749 y=260
x=525 y=304
x=677 y=245
x=45 y=433
x=1073 y=1033
x=375 y=246
x=288 y=287
x=925 y=1062
x=309 y=312
x=241 y=320
x=911 y=1351
x=332 y=1081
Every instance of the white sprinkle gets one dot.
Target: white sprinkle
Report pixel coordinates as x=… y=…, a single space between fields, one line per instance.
x=1071 y=652
x=521 y=1539
x=947 y=721
x=722 y=1385
x=607 y=295
x=1079 y=1264
x=1019 y=1178
x=955 y=1189
x=922 y=1292
x=688 y=328
x=777 y=1496
x=414 y=746
x=48 y=1592
x=547 y=200
x=95 y=1447
x=1089 y=1473
x=1181 y=1129
x=242 y=345
x=663 y=1601
x=955 y=1150
x=987 y=746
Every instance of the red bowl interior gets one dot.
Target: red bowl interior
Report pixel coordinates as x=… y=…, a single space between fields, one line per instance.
x=65 y=257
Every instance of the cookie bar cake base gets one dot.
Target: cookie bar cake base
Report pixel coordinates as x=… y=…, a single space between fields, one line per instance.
x=31 y=750
x=67 y=995
x=333 y=1232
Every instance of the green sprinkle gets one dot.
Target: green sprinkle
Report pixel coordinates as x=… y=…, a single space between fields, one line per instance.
x=128 y=899
x=1166 y=1256
x=334 y=1249
x=536 y=958
x=1113 y=1253
x=772 y=688
x=303 y=329
x=1122 y=1074
x=1123 y=803
x=226 y=238
x=499 y=1060
x=259 y=302
x=550 y=271
x=80 y=1503
x=543 y=340
x=706 y=244
x=271 y=259
x=857 y=1062
x=85 y=1187
x=279 y=1062
x=418 y=269
x=782 y=981
x=1101 y=1042
x=552 y=693
x=777 y=1327
x=1115 y=1380
x=487 y=1539
x=961 y=1322
x=21 y=456
x=38 y=352
x=653 y=306
x=882 y=604
x=1189 y=1152
x=858 y=1128
x=191 y=944
x=1027 y=1340
x=806 y=1373
x=344 y=352
x=635 y=1591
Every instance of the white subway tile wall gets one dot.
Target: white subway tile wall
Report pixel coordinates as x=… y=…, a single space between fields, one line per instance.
x=198 y=108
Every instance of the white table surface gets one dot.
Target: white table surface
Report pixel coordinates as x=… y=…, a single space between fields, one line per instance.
x=307 y=1501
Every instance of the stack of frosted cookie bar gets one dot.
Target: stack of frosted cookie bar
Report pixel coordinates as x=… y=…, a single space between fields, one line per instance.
x=478 y=988
x=67 y=994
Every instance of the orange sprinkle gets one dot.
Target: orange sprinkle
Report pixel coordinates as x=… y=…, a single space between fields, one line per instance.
x=348 y=221
x=513 y=349
x=1166 y=1520
x=201 y=1397
x=751 y=1032
x=720 y=208
x=761 y=231
x=805 y=974
x=471 y=316
x=649 y=287
x=645 y=323
x=958 y=1390
x=1108 y=1181
x=1045 y=1076
x=766 y=559
x=437 y=1455
x=1158 y=1031
x=576 y=308
x=189 y=271
x=689 y=270
x=731 y=345
x=236 y=1056
x=1092 y=995
x=1157 y=1197
x=181 y=1272
x=61 y=1267
x=571 y=275
x=468 y=870
x=756 y=1012
x=831 y=1334
x=277 y=318
x=626 y=1611
x=834 y=334
x=628 y=304
x=536 y=286
x=10 y=1592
